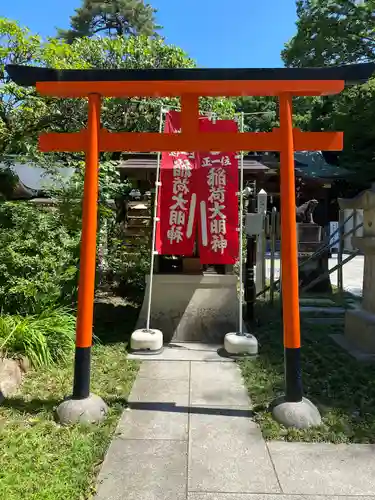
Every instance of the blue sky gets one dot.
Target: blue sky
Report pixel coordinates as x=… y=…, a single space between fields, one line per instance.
x=216 y=33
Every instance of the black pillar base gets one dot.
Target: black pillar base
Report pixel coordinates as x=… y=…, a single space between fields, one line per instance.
x=293 y=376
x=82 y=362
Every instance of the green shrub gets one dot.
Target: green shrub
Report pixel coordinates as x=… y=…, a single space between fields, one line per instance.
x=127 y=271
x=38 y=259
x=44 y=339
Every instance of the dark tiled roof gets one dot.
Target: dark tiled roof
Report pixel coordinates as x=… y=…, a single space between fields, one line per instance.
x=150 y=163
x=313 y=165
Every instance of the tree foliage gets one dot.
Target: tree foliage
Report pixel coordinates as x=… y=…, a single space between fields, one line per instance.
x=260 y=113
x=38 y=259
x=48 y=242
x=24 y=114
x=111 y=18
x=352 y=112
x=332 y=32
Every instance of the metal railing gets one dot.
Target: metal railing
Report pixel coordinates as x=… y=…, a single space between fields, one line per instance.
x=272 y=226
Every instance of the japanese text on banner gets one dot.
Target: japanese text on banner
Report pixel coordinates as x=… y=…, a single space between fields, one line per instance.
x=218 y=184
x=177 y=200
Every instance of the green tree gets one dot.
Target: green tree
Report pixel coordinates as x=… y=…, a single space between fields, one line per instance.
x=18 y=116
x=24 y=114
x=38 y=259
x=112 y=18
x=260 y=113
x=332 y=32
x=352 y=112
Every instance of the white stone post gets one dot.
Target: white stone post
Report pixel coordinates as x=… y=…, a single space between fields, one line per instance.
x=360 y=323
x=260 y=272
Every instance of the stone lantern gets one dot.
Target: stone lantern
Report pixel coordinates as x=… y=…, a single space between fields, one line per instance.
x=360 y=323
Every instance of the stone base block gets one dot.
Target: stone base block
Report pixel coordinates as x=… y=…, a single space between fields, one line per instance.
x=91 y=410
x=192 y=308
x=240 y=345
x=360 y=329
x=300 y=415
x=10 y=377
x=145 y=341
x=352 y=349
x=312 y=270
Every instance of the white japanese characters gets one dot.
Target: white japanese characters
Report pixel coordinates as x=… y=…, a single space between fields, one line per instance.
x=213 y=208
x=208 y=161
x=181 y=189
x=217 y=181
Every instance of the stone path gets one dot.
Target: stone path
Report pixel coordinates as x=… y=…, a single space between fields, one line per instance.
x=188 y=434
x=352 y=274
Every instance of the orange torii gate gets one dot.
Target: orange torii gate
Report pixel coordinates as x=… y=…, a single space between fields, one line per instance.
x=189 y=85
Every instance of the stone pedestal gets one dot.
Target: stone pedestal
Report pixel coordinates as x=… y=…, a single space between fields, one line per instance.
x=309 y=242
x=360 y=323
x=197 y=308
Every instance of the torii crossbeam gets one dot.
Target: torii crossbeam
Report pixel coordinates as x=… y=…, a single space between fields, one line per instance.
x=189 y=85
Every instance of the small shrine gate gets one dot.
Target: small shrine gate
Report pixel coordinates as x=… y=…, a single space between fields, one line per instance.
x=189 y=85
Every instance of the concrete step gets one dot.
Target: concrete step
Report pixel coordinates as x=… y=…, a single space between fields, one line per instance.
x=139 y=223
x=137 y=231
x=323 y=321
x=324 y=311
x=316 y=301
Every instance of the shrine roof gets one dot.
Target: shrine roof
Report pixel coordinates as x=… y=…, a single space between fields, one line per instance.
x=312 y=164
x=234 y=81
x=149 y=162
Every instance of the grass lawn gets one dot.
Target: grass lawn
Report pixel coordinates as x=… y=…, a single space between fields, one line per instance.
x=41 y=460
x=342 y=388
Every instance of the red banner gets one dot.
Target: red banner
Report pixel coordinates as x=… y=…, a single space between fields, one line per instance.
x=177 y=199
x=218 y=200
x=203 y=187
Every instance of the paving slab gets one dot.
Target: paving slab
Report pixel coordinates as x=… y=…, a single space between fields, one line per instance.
x=185 y=351
x=217 y=384
x=324 y=468
x=351 y=349
x=173 y=392
x=144 y=470
x=228 y=454
x=257 y=496
x=158 y=403
x=154 y=421
x=178 y=370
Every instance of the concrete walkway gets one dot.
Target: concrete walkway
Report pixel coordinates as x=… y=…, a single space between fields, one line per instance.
x=188 y=434
x=352 y=273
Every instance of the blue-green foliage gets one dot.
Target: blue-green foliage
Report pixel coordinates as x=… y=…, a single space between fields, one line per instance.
x=38 y=259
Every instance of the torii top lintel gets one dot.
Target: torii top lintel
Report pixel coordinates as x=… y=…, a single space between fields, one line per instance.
x=189 y=85
x=203 y=82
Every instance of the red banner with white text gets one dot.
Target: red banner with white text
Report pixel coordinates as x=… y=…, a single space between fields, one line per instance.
x=176 y=229
x=218 y=200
